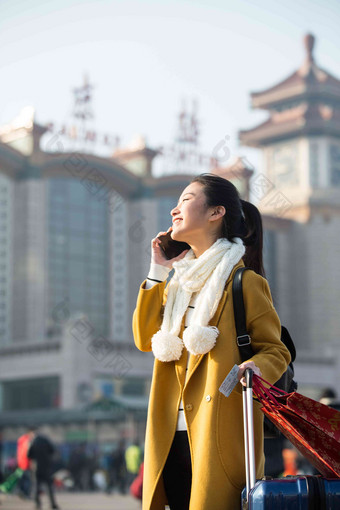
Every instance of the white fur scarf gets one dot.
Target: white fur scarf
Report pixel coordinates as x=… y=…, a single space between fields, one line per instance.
x=207 y=274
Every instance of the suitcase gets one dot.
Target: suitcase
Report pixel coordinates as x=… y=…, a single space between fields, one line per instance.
x=289 y=493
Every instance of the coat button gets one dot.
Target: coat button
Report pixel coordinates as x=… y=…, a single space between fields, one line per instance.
x=188 y=407
x=208 y=398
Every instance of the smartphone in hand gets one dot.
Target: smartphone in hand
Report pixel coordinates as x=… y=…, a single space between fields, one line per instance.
x=170 y=247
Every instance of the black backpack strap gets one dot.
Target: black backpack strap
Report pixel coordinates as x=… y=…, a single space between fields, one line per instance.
x=243 y=339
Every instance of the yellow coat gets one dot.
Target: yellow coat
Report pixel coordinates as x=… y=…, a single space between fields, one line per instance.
x=215 y=423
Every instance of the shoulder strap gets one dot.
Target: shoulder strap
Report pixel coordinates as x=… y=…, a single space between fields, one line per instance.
x=243 y=339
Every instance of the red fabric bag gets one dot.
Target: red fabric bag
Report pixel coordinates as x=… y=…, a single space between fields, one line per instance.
x=312 y=427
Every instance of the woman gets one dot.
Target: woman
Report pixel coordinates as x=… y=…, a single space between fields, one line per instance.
x=194 y=452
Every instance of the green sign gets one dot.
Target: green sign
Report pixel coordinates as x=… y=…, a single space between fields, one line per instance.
x=80 y=435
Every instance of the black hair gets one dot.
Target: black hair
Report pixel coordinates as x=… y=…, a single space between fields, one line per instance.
x=242 y=219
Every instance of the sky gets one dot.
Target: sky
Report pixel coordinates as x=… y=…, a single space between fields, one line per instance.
x=144 y=58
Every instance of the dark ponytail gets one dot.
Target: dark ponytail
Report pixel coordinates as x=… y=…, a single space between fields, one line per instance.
x=242 y=219
x=253 y=241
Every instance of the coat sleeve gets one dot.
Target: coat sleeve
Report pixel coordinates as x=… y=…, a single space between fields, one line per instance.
x=148 y=314
x=264 y=327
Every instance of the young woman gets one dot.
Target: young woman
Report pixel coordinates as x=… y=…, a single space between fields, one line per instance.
x=194 y=453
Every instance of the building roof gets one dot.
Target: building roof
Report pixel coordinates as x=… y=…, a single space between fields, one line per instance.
x=309 y=80
x=306 y=119
x=305 y=103
x=21 y=157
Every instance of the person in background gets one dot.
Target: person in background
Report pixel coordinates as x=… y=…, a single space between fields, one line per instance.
x=77 y=466
x=24 y=463
x=117 y=469
x=120 y=467
x=133 y=459
x=41 y=451
x=328 y=397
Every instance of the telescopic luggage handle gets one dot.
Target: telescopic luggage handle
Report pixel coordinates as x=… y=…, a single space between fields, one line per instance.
x=248 y=425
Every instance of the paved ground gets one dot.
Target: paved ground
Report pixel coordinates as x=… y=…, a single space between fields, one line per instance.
x=71 y=501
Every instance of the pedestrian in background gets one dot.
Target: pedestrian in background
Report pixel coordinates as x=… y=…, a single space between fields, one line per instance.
x=24 y=463
x=133 y=459
x=117 y=472
x=77 y=466
x=41 y=451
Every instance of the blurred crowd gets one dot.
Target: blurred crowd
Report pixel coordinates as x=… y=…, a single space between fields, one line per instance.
x=39 y=466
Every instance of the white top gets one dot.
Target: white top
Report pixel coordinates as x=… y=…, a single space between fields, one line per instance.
x=159 y=272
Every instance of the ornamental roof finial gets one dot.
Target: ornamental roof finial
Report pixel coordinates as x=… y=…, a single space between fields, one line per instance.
x=309 y=41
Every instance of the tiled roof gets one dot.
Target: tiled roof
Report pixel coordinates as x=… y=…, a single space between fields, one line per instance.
x=307 y=102
x=309 y=79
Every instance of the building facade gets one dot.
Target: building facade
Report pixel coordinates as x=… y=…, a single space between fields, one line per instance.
x=75 y=233
x=300 y=182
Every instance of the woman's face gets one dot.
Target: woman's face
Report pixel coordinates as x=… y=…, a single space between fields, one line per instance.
x=191 y=219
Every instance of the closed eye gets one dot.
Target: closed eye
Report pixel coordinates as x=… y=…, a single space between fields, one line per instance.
x=183 y=200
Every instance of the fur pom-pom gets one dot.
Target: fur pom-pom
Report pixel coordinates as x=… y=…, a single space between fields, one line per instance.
x=200 y=339
x=166 y=346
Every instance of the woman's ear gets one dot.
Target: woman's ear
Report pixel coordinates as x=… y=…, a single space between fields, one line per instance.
x=218 y=212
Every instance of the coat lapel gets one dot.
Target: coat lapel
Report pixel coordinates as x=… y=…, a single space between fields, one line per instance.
x=194 y=361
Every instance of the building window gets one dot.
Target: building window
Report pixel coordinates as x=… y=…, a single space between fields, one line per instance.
x=40 y=393
x=133 y=386
x=165 y=205
x=79 y=249
x=335 y=164
x=314 y=165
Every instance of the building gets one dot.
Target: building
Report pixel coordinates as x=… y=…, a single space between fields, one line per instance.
x=299 y=189
x=75 y=231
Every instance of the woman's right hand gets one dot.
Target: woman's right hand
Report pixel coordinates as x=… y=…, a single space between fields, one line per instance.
x=158 y=255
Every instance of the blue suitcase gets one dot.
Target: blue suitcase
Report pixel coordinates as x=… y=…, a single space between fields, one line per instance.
x=294 y=493
x=289 y=493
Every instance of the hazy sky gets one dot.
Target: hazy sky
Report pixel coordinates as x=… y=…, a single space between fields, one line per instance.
x=144 y=57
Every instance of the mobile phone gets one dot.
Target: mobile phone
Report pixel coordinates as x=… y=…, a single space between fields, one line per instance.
x=170 y=247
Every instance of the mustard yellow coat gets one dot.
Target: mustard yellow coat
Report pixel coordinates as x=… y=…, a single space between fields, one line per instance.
x=215 y=424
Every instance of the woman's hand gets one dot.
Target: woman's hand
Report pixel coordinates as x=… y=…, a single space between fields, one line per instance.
x=158 y=255
x=243 y=366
